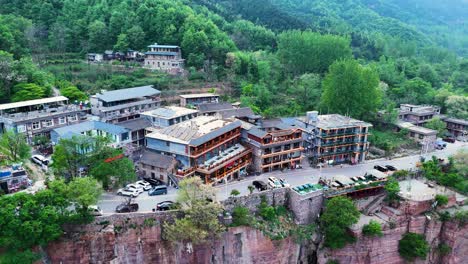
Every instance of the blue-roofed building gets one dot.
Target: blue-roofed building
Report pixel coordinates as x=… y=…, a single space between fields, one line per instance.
x=124 y=104
x=119 y=135
x=166 y=58
x=205 y=146
x=169 y=115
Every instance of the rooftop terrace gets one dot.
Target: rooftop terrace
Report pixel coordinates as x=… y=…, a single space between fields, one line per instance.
x=169 y=112
x=335 y=121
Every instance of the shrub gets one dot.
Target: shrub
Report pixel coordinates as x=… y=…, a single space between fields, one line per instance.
x=441 y=199
x=241 y=216
x=268 y=213
x=333 y=261
x=462 y=217
x=413 y=246
x=234 y=192
x=372 y=229
x=444 y=249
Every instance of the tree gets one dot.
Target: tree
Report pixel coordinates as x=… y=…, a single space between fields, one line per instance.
x=460 y=162
x=122 y=43
x=251 y=188
x=392 y=187
x=97 y=36
x=69 y=156
x=350 y=89
x=136 y=38
x=240 y=216
x=340 y=213
x=84 y=192
x=438 y=125
x=306 y=51
x=307 y=90
x=14 y=146
x=457 y=106
x=415 y=91
x=372 y=229
x=235 y=192
x=27 y=91
x=113 y=173
x=413 y=246
x=441 y=199
x=200 y=221
x=74 y=94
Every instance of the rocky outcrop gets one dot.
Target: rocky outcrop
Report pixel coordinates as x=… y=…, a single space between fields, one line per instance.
x=138 y=240
x=384 y=250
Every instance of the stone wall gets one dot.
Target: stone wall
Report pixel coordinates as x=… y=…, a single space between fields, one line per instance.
x=305 y=208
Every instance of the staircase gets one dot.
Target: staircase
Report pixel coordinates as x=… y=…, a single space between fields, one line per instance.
x=375 y=205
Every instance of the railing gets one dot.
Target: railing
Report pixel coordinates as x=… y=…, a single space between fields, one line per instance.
x=291 y=140
x=281 y=162
x=44 y=113
x=185 y=172
x=339 y=143
x=211 y=146
x=345 y=190
x=282 y=152
x=212 y=168
x=340 y=134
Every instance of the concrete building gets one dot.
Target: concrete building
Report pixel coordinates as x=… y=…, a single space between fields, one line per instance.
x=425 y=136
x=166 y=58
x=334 y=139
x=457 y=127
x=226 y=110
x=275 y=145
x=213 y=108
x=118 y=135
x=156 y=166
x=39 y=117
x=204 y=146
x=197 y=99
x=137 y=128
x=124 y=104
x=169 y=115
x=417 y=114
x=94 y=57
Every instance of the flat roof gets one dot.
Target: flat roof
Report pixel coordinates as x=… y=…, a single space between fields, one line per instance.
x=416 y=129
x=156 y=45
x=338 y=121
x=136 y=124
x=198 y=95
x=168 y=112
x=128 y=93
x=417 y=190
x=195 y=131
x=77 y=129
x=169 y=53
x=456 y=120
x=33 y=102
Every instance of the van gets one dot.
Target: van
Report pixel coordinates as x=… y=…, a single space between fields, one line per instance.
x=40 y=160
x=158 y=190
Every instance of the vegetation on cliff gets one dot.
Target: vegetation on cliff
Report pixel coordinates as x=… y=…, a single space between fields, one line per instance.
x=413 y=246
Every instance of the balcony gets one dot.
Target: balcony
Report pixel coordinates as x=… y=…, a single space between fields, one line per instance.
x=210 y=146
x=229 y=171
x=230 y=155
x=337 y=134
x=343 y=142
x=40 y=114
x=278 y=162
x=185 y=172
x=282 y=152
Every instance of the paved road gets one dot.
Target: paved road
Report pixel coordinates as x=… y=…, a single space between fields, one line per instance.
x=109 y=201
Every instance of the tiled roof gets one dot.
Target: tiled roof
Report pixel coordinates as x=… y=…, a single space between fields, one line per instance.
x=239 y=112
x=136 y=124
x=77 y=129
x=169 y=112
x=214 y=107
x=155 y=45
x=129 y=93
x=157 y=160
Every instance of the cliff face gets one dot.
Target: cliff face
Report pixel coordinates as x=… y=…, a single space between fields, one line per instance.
x=384 y=250
x=137 y=240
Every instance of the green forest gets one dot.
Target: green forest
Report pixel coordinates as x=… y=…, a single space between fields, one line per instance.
x=280 y=57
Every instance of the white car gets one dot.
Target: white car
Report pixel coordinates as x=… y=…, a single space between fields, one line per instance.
x=139 y=188
x=144 y=184
x=129 y=192
x=40 y=160
x=95 y=210
x=274 y=182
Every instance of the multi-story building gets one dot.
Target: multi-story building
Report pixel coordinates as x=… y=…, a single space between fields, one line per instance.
x=424 y=136
x=137 y=128
x=275 y=145
x=197 y=99
x=169 y=115
x=39 y=117
x=124 y=104
x=204 y=146
x=156 y=166
x=417 y=114
x=118 y=135
x=164 y=58
x=457 y=127
x=334 y=139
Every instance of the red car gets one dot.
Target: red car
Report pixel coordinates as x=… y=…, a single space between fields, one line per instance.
x=449 y=139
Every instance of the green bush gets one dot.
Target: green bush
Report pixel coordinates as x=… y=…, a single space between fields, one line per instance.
x=372 y=229
x=413 y=246
x=444 y=249
x=441 y=199
x=241 y=216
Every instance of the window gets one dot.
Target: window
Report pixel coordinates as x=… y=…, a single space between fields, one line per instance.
x=36 y=125
x=21 y=128
x=153 y=175
x=421 y=136
x=48 y=123
x=62 y=120
x=72 y=118
x=167 y=143
x=161 y=177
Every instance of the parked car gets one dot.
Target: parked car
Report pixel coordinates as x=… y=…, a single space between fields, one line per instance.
x=440 y=144
x=40 y=160
x=144 y=184
x=153 y=182
x=139 y=188
x=129 y=192
x=449 y=139
x=127 y=208
x=164 y=206
x=390 y=168
x=95 y=210
x=380 y=168
x=284 y=183
x=260 y=185
x=158 y=190
x=274 y=182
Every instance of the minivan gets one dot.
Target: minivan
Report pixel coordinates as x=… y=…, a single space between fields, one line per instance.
x=40 y=160
x=158 y=190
